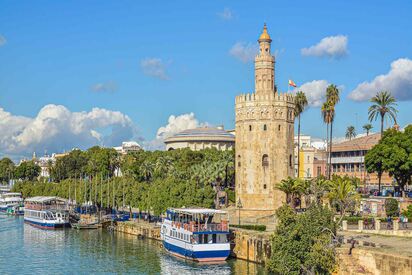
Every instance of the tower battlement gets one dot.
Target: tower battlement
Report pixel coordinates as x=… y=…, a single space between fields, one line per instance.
x=276 y=97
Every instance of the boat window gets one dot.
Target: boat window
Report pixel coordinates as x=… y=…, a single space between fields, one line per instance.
x=213 y=238
x=205 y=236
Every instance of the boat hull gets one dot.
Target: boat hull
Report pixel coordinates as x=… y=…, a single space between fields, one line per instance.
x=199 y=256
x=49 y=226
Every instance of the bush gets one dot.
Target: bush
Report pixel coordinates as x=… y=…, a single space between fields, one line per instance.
x=391 y=207
x=256 y=227
x=408 y=212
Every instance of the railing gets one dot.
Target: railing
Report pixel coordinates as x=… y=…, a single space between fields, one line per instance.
x=46 y=207
x=194 y=227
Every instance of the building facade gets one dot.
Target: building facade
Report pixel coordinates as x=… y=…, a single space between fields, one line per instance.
x=202 y=138
x=264 y=138
x=128 y=147
x=348 y=158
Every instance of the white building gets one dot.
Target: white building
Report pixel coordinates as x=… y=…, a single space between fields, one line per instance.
x=127 y=147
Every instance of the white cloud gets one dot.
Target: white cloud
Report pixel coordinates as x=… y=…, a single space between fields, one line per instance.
x=154 y=67
x=108 y=87
x=331 y=46
x=398 y=81
x=245 y=52
x=226 y=14
x=2 y=40
x=55 y=128
x=315 y=92
x=174 y=125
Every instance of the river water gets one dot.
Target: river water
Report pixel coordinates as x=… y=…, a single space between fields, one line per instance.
x=28 y=250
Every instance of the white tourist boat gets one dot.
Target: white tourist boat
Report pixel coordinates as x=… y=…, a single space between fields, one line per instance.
x=11 y=203
x=197 y=234
x=46 y=212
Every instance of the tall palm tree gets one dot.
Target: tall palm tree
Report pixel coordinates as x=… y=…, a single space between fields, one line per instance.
x=146 y=169
x=327 y=115
x=350 y=132
x=332 y=96
x=367 y=127
x=293 y=188
x=383 y=103
x=300 y=104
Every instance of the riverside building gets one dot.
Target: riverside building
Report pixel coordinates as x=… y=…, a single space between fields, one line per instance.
x=264 y=138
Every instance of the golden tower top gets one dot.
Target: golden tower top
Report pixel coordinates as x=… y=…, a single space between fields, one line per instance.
x=265 y=37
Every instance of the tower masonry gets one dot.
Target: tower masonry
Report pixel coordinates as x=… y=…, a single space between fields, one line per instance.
x=264 y=138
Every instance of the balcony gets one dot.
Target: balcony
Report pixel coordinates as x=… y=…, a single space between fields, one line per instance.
x=343 y=160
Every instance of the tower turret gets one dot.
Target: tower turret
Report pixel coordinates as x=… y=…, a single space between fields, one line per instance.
x=264 y=65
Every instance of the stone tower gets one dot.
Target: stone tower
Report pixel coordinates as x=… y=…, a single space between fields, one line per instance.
x=264 y=138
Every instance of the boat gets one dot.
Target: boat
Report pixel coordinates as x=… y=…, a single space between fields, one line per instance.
x=11 y=203
x=197 y=234
x=86 y=221
x=46 y=212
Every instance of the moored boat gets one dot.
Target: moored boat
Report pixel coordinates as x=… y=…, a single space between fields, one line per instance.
x=46 y=212
x=11 y=202
x=196 y=234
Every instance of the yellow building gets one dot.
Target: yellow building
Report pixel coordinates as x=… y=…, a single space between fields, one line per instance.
x=264 y=138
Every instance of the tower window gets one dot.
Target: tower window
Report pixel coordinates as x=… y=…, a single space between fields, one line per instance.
x=279 y=127
x=264 y=186
x=266 y=49
x=290 y=160
x=238 y=164
x=250 y=127
x=264 y=127
x=265 y=161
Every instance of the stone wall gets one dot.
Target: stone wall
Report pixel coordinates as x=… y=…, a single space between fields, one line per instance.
x=139 y=229
x=251 y=246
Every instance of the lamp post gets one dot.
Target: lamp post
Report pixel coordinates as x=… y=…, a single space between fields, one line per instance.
x=239 y=206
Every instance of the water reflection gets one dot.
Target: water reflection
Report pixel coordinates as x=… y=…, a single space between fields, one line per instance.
x=25 y=249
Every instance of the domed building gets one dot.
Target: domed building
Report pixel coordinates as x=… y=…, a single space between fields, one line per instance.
x=202 y=138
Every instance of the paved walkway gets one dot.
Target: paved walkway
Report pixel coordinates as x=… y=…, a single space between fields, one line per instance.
x=388 y=244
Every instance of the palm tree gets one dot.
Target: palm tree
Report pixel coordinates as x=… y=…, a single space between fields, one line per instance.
x=146 y=169
x=293 y=188
x=350 y=132
x=383 y=104
x=327 y=115
x=367 y=127
x=300 y=104
x=332 y=96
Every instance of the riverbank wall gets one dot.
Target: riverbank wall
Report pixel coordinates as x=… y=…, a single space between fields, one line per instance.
x=251 y=246
x=141 y=229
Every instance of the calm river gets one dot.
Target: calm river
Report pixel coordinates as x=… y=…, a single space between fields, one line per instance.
x=28 y=250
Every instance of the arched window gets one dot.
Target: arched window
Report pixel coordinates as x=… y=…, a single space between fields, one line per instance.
x=265 y=127
x=265 y=161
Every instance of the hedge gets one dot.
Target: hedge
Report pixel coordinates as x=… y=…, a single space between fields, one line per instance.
x=256 y=227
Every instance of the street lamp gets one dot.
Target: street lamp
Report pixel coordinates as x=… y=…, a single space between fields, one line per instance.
x=239 y=206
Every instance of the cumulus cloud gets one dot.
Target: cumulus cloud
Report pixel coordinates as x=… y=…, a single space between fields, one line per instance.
x=245 y=52
x=174 y=125
x=331 y=46
x=2 y=40
x=55 y=128
x=154 y=67
x=226 y=14
x=315 y=92
x=398 y=81
x=107 y=87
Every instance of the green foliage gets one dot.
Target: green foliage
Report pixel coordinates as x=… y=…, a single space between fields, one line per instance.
x=408 y=212
x=256 y=227
x=392 y=154
x=6 y=170
x=383 y=104
x=231 y=195
x=151 y=180
x=302 y=243
x=27 y=170
x=391 y=207
x=350 y=132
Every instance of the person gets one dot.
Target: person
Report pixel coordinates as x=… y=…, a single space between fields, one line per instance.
x=389 y=222
x=365 y=223
x=405 y=221
x=372 y=223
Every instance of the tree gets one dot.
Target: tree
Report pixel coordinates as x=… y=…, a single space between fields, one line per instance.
x=374 y=163
x=332 y=96
x=367 y=127
x=147 y=169
x=27 y=170
x=383 y=103
x=328 y=113
x=342 y=194
x=350 y=132
x=6 y=170
x=300 y=104
x=391 y=207
x=302 y=243
x=293 y=189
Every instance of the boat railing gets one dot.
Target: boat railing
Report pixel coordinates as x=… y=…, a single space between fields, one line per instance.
x=197 y=227
x=45 y=207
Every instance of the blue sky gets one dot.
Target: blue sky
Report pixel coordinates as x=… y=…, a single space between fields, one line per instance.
x=149 y=60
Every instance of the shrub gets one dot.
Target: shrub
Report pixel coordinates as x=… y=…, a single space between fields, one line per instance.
x=408 y=212
x=391 y=207
x=256 y=227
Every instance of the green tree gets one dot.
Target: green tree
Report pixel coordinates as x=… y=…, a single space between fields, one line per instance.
x=27 y=170
x=6 y=170
x=391 y=207
x=367 y=127
x=383 y=104
x=302 y=243
x=328 y=113
x=332 y=97
x=300 y=105
x=350 y=132
x=293 y=189
x=342 y=194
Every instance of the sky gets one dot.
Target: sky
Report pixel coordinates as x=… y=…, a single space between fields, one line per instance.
x=81 y=73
